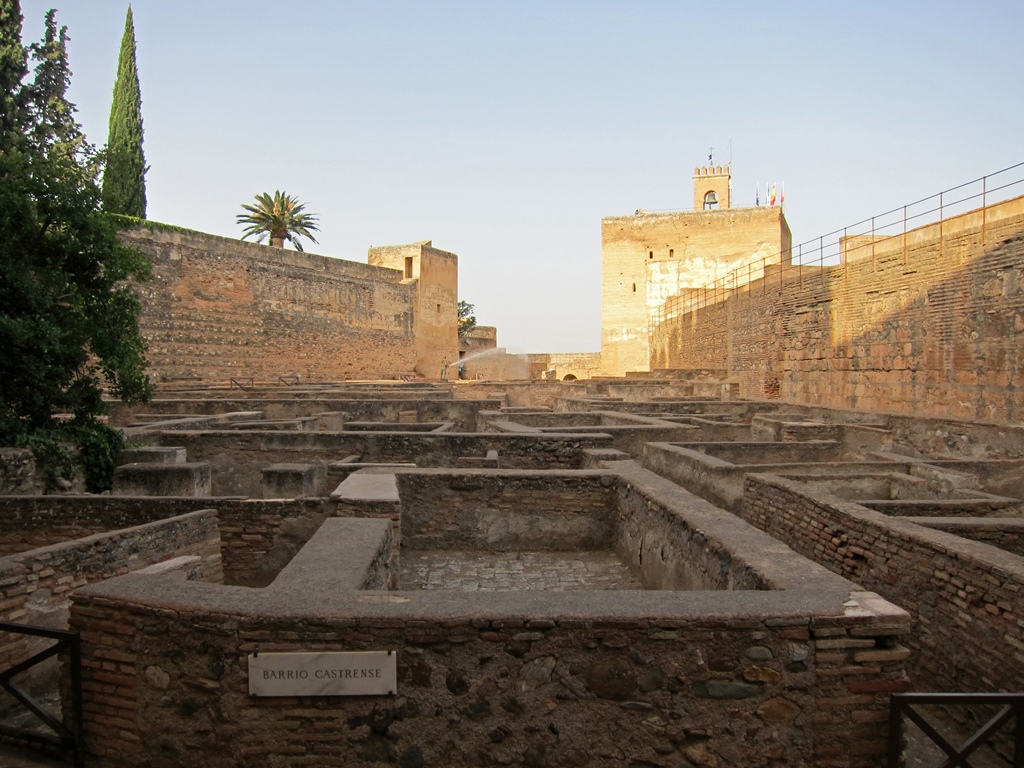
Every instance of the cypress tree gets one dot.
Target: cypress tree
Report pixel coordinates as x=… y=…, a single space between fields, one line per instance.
x=124 y=183
x=54 y=131
x=13 y=68
x=68 y=312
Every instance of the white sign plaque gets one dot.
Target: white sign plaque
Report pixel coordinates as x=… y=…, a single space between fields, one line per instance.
x=350 y=673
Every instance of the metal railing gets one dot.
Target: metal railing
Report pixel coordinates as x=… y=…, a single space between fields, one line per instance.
x=1011 y=712
x=855 y=241
x=63 y=738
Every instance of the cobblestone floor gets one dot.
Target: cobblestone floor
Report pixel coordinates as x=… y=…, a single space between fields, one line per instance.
x=498 y=571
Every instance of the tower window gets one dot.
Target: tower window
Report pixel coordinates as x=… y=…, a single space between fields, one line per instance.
x=710 y=200
x=671 y=252
x=634 y=287
x=650 y=254
x=408 y=267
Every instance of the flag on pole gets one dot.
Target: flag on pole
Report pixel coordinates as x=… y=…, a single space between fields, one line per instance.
x=782 y=197
x=772 y=200
x=757 y=194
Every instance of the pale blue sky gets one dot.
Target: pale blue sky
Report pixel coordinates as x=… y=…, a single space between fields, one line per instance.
x=505 y=131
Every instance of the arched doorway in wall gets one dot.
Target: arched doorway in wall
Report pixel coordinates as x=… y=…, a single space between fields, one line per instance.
x=569 y=377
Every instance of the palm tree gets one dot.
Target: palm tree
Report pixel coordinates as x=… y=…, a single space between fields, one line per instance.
x=281 y=217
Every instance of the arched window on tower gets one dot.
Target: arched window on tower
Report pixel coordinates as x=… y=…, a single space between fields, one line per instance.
x=710 y=200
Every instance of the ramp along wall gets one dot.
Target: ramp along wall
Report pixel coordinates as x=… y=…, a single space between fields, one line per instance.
x=931 y=321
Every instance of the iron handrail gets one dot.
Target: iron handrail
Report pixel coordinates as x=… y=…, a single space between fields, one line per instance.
x=830 y=246
x=244 y=384
x=63 y=738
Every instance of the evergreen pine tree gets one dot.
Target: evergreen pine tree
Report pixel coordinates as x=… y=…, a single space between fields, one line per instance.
x=124 y=183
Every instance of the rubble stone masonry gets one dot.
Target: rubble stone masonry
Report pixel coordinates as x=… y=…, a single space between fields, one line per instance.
x=505 y=679
x=218 y=308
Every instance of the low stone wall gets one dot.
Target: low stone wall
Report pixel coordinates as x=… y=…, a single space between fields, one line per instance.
x=796 y=670
x=1005 y=533
x=520 y=393
x=257 y=536
x=721 y=482
x=505 y=510
x=503 y=678
x=35 y=585
x=689 y=552
x=31 y=522
x=462 y=411
x=237 y=458
x=343 y=554
x=967 y=596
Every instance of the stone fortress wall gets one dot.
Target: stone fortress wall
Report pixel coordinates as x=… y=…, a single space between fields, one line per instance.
x=649 y=257
x=219 y=308
x=932 y=322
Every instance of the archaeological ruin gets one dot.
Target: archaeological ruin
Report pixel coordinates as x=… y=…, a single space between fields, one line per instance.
x=787 y=490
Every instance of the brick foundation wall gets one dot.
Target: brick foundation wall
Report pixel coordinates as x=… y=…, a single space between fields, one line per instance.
x=238 y=457
x=1006 y=534
x=500 y=683
x=257 y=536
x=462 y=412
x=966 y=596
x=35 y=586
x=672 y=554
x=934 y=327
x=507 y=511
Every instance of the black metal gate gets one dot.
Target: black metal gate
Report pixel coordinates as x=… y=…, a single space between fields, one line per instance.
x=1011 y=711
x=63 y=738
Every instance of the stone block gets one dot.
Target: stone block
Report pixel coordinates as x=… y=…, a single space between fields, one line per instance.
x=289 y=481
x=140 y=479
x=153 y=454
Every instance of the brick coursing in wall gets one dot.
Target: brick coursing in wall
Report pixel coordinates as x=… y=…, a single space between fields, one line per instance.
x=218 y=308
x=506 y=511
x=521 y=689
x=966 y=596
x=934 y=327
x=238 y=457
x=35 y=585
